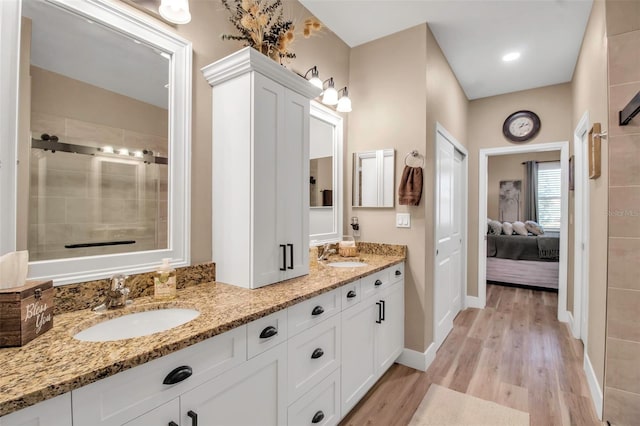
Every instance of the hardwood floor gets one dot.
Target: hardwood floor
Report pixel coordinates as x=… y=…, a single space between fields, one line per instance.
x=513 y=352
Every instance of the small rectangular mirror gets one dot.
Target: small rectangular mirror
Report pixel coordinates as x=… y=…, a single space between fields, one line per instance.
x=373 y=178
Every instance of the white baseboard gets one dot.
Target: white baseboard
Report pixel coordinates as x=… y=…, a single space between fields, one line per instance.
x=418 y=360
x=563 y=316
x=473 y=302
x=572 y=325
x=594 y=387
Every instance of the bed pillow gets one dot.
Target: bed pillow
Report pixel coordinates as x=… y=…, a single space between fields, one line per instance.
x=507 y=228
x=488 y=225
x=495 y=228
x=519 y=228
x=534 y=227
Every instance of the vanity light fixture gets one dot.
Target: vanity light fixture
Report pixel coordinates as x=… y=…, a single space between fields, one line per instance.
x=107 y=149
x=315 y=77
x=511 y=56
x=138 y=154
x=123 y=151
x=330 y=95
x=176 y=11
x=344 y=103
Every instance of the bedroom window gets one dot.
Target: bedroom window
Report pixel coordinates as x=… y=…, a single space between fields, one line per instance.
x=549 y=195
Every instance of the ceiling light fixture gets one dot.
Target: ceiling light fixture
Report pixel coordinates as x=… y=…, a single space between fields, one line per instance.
x=511 y=56
x=344 y=103
x=176 y=11
x=315 y=77
x=330 y=95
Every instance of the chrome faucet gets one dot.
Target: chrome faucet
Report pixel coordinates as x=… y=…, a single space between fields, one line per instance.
x=117 y=296
x=326 y=251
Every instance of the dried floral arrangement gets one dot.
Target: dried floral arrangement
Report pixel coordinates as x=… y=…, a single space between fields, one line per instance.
x=261 y=24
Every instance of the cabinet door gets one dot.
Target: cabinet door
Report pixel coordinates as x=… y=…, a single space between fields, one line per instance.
x=293 y=171
x=253 y=393
x=52 y=412
x=268 y=117
x=390 y=338
x=160 y=416
x=358 y=352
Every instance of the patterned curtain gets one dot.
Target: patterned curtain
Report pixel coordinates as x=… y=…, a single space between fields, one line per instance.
x=531 y=194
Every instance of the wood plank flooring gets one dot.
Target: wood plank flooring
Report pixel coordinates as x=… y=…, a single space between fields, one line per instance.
x=513 y=352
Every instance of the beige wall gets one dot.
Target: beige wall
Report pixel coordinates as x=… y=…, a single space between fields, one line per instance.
x=589 y=88
x=510 y=167
x=486 y=116
x=622 y=370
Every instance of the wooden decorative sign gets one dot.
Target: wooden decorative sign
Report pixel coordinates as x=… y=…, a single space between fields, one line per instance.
x=594 y=151
x=25 y=312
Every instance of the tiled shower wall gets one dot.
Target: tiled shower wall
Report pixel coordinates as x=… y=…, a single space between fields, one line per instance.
x=77 y=198
x=622 y=370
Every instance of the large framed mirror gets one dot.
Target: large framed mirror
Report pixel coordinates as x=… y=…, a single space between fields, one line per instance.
x=325 y=180
x=99 y=123
x=373 y=178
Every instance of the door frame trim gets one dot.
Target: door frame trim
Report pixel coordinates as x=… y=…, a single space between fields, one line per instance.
x=563 y=147
x=464 y=220
x=581 y=232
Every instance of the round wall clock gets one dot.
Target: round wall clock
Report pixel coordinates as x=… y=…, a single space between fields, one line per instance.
x=521 y=126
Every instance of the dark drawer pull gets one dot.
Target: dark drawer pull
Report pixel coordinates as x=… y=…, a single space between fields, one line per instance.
x=177 y=375
x=384 y=309
x=377 y=283
x=318 y=310
x=317 y=353
x=194 y=417
x=317 y=417
x=173 y=424
x=398 y=273
x=291 y=255
x=284 y=257
x=268 y=332
x=351 y=294
x=379 y=320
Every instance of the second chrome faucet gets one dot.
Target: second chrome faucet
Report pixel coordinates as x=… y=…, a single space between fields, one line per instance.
x=117 y=296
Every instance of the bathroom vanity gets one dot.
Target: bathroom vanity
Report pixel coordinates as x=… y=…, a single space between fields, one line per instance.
x=298 y=352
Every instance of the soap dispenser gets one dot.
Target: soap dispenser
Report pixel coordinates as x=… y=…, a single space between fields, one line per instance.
x=164 y=282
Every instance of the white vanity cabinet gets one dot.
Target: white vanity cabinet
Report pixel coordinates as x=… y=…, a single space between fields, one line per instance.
x=260 y=170
x=52 y=412
x=372 y=333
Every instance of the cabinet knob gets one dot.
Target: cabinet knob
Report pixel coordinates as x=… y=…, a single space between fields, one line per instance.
x=317 y=353
x=398 y=273
x=194 y=417
x=317 y=417
x=177 y=375
x=351 y=294
x=318 y=310
x=268 y=332
x=378 y=282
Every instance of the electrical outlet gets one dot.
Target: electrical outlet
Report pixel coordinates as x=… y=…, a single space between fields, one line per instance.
x=403 y=220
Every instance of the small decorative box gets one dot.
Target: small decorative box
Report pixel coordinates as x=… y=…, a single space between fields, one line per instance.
x=25 y=312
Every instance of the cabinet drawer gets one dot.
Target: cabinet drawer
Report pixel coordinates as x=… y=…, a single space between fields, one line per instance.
x=312 y=356
x=319 y=406
x=306 y=314
x=396 y=272
x=351 y=294
x=131 y=393
x=375 y=282
x=260 y=333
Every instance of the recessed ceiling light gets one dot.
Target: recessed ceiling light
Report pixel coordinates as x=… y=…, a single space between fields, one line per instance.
x=512 y=56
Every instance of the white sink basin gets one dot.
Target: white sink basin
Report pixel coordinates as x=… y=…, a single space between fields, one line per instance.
x=349 y=264
x=137 y=324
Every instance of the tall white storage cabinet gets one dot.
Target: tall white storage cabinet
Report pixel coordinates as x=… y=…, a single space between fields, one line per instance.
x=260 y=169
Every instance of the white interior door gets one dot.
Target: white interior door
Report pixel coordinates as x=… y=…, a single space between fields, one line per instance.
x=449 y=260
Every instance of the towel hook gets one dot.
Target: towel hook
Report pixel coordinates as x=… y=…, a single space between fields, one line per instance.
x=414 y=154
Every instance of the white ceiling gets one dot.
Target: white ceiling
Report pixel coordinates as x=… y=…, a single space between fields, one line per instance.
x=70 y=45
x=474 y=35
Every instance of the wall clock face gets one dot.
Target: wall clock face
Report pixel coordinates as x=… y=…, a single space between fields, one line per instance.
x=521 y=126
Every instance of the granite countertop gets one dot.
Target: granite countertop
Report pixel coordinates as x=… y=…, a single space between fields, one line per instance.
x=56 y=363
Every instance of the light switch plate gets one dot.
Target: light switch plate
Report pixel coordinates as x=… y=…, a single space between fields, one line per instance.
x=403 y=220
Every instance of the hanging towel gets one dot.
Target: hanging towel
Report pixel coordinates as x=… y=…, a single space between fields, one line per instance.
x=410 y=190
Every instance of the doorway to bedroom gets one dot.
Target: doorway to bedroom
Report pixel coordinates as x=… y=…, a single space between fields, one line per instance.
x=523 y=219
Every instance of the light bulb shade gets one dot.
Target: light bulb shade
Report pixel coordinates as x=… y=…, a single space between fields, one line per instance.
x=176 y=11
x=330 y=96
x=344 y=104
x=316 y=82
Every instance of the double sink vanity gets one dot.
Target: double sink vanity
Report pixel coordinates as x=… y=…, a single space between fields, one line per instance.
x=303 y=351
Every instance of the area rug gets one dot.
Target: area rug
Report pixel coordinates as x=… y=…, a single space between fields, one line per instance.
x=445 y=407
